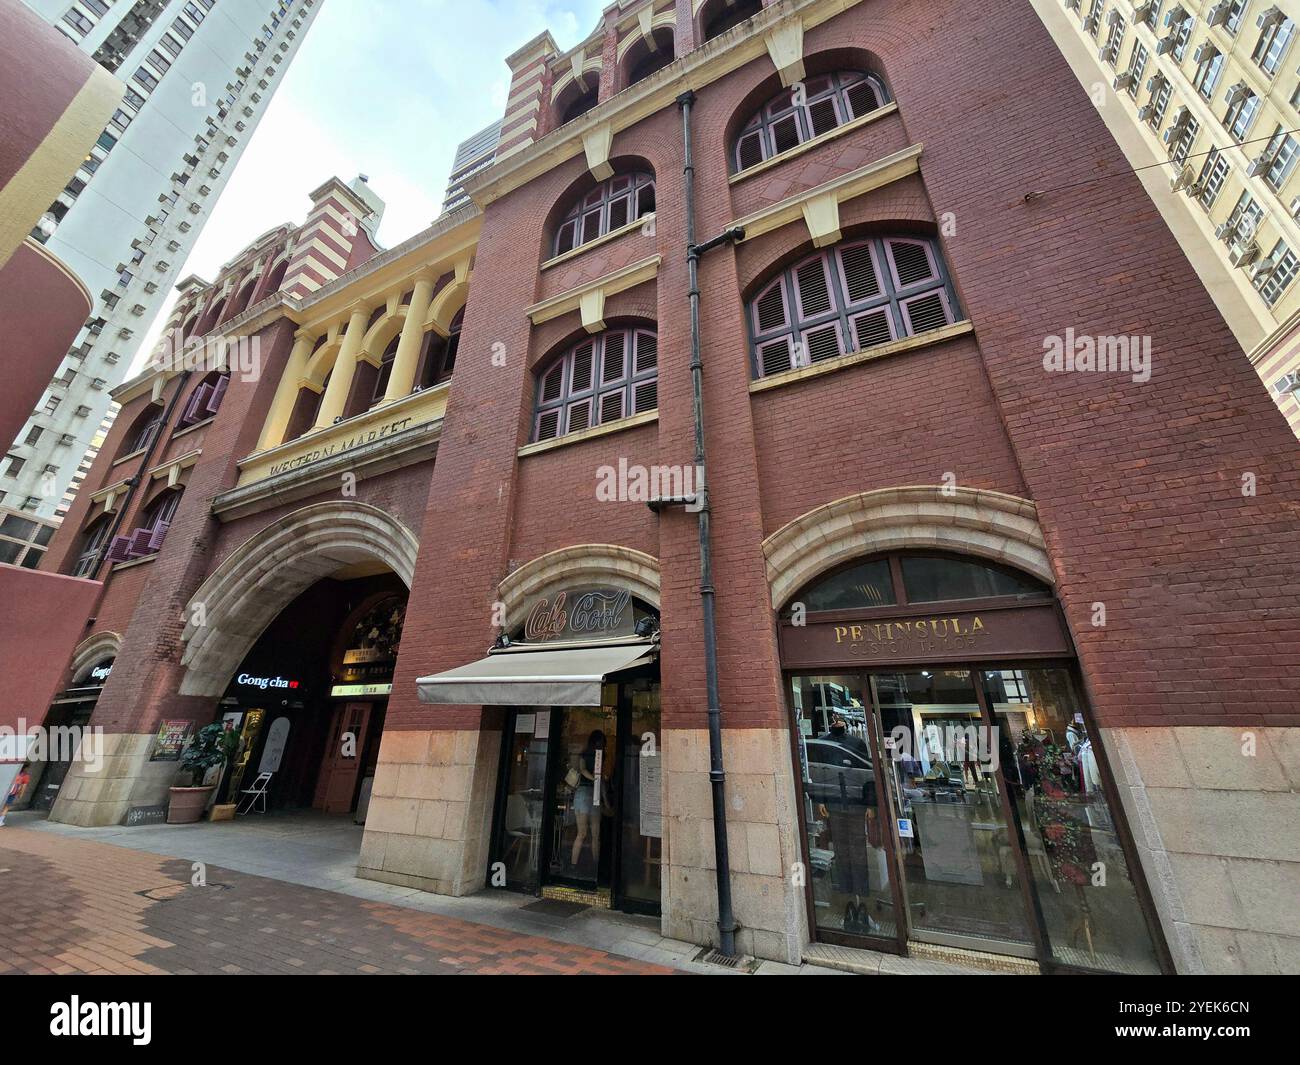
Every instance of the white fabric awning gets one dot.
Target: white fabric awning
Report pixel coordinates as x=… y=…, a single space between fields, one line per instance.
x=563 y=676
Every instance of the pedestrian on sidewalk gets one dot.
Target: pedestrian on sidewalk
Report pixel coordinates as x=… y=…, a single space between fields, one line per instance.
x=16 y=790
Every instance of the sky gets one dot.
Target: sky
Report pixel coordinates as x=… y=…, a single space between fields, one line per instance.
x=385 y=88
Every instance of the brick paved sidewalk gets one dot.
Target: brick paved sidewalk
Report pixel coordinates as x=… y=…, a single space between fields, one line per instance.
x=75 y=906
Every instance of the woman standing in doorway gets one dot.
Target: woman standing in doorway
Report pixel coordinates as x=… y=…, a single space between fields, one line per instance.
x=587 y=801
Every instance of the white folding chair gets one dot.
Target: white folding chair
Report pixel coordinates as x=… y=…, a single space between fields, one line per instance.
x=254 y=795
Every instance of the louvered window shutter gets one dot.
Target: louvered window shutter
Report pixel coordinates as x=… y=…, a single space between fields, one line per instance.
x=580 y=378
x=814 y=292
x=579 y=416
x=647 y=352
x=613 y=362
x=219 y=392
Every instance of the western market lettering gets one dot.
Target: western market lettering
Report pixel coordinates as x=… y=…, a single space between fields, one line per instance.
x=339 y=447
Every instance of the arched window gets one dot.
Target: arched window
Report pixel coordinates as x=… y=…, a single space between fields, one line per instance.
x=143 y=430
x=599 y=380
x=147 y=537
x=649 y=55
x=609 y=206
x=575 y=101
x=827 y=101
x=911 y=578
x=206 y=398
x=92 y=542
x=385 y=369
x=440 y=360
x=722 y=15
x=854 y=296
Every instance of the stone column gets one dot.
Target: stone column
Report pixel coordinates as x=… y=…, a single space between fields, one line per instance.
x=286 y=393
x=345 y=367
x=402 y=378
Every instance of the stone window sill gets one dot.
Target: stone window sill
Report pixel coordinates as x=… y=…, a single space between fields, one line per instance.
x=855 y=358
x=613 y=234
x=809 y=145
x=589 y=434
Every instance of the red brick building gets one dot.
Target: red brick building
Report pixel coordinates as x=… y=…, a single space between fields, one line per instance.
x=1001 y=524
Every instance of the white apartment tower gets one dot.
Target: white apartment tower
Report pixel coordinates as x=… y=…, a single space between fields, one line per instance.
x=199 y=77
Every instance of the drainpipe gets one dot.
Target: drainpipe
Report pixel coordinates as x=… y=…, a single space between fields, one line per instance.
x=717 y=778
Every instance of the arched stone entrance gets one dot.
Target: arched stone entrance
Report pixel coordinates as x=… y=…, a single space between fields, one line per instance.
x=608 y=564
x=255 y=582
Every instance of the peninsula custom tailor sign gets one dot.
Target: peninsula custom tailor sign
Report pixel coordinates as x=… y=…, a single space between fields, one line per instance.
x=1022 y=632
x=580 y=614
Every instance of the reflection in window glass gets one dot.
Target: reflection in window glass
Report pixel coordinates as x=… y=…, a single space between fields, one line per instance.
x=846 y=818
x=957 y=852
x=933 y=579
x=861 y=586
x=1088 y=900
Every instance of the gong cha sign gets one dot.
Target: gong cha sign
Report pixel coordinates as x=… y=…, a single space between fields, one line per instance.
x=580 y=614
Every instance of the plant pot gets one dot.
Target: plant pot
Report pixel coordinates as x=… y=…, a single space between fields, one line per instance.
x=222 y=811
x=186 y=805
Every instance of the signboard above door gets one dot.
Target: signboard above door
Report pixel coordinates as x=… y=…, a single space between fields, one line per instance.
x=580 y=614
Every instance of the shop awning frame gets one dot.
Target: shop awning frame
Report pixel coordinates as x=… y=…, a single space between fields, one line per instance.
x=536 y=675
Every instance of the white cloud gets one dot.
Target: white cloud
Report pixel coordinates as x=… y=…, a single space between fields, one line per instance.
x=385 y=89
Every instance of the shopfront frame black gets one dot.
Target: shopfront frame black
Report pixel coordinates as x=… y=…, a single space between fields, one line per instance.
x=864 y=676
x=618 y=900
x=975 y=664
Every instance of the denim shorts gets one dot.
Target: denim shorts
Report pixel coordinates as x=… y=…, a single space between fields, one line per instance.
x=582 y=799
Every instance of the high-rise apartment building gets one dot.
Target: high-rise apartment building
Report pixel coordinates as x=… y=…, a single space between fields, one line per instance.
x=1203 y=96
x=472 y=155
x=200 y=74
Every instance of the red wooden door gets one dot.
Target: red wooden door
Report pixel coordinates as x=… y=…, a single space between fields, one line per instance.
x=342 y=760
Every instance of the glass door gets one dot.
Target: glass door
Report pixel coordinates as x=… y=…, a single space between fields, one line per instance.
x=844 y=816
x=957 y=854
x=641 y=815
x=519 y=818
x=582 y=802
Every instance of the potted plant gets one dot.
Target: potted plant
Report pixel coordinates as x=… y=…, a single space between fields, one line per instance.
x=229 y=742
x=186 y=804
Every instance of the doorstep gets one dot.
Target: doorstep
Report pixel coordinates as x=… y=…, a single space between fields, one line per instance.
x=925 y=960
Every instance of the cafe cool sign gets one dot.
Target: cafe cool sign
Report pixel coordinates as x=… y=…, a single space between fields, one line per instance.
x=580 y=615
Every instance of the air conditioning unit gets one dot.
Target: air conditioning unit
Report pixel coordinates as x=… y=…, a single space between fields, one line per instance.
x=1142 y=9
x=1259 y=164
x=1262 y=268
x=1145 y=112
x=1124 y=80
x=1181 y=117
x=1176 y=16
x=1166 y=44
x=1205 y=51
x=1268 y=19
x=1243 y=253
x=1155 y=83
x=1113 y=17
x=1218 y=14
x=1236 y=93
x=1288 y=382
x=1184 y=178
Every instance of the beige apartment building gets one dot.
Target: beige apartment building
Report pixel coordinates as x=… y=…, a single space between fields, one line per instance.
x=1204 y=99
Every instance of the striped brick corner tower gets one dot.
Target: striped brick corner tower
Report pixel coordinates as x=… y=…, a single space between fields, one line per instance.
x=326 y=242
x=529 y=88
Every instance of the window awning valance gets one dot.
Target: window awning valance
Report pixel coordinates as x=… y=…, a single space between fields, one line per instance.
x=557 y=676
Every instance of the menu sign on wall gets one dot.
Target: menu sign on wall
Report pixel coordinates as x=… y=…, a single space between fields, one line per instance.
x=170 y=740
x=580 y=614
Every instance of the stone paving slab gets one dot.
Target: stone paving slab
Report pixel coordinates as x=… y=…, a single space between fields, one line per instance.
x=80 y=906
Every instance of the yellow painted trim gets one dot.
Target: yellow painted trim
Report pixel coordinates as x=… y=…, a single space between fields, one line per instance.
x=128 y=457
x=29 y=193
x=816 y=142
x=856 y=358
x=613 y=234
x=589 y=434
x=865 y=179
x=619 y=281
x=108 y=490
x=181 y=461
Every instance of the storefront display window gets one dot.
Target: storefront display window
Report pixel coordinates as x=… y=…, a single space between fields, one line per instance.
x=1087 y=897
x=951 y=790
